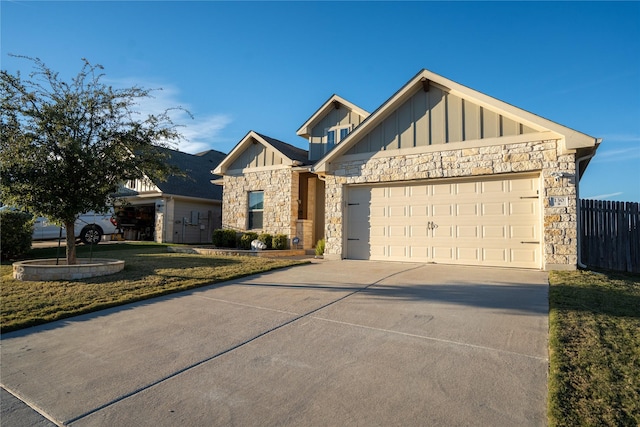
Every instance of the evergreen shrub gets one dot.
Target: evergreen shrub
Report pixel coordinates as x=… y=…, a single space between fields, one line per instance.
x=16 y=230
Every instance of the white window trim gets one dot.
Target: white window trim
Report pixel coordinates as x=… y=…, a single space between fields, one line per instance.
x=338 y=137
x=250 y=211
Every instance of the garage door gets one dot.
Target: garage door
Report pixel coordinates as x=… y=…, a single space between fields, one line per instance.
x=494 y=222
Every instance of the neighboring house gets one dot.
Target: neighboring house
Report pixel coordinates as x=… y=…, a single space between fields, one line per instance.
x=182 y=209
x=438 y=173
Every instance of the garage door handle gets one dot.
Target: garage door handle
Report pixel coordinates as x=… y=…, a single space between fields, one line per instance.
x=534 y=243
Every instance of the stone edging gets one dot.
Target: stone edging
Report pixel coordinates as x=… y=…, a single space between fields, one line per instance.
x=236 y=252
x=46 y=269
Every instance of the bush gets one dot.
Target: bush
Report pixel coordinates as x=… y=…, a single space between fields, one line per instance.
x=280 y=241
x=16 y=229
x=246 y=239
x=320 y=247
x=267 y=239
x=224 y=238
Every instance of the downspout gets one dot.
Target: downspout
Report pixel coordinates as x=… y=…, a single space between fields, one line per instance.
x=578 y=216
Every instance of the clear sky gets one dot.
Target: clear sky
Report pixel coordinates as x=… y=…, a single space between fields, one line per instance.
x=267 y=66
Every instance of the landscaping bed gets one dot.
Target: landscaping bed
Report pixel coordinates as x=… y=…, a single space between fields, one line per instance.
x=210 y=250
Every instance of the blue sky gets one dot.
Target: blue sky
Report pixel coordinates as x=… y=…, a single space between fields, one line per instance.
x=267 y=66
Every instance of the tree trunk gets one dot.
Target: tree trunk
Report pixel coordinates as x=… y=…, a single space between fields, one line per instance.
x=71 y=242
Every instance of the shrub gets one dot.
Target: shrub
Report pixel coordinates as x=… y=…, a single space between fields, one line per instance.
x=267 y=239
x=16 y=229
x=224 y=238
x=320 y=247
x=246 y=239
x=280 y=241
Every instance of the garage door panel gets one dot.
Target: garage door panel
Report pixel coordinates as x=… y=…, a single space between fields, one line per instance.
x=466 y=188
x=420 y=211
x=378 y=212
x=467 y=232
x=377 y=192
x=442 y=190
x=443 y=232
x=442 y=210
x=397 y=251
x=494 y=256
x=398 y=211
x=468 y=255
x=442 y=253
x=524 y=232
x=524 y=207
x=397 y=231
x=466 y=209
x=493 y=187
x=494 y=232
x=477 y=223
x=378 y=231
x=419 y=253
x=523 y=257
x=397 y=191
x=418 y=191
x=524 y=185
x=378 y=253
x=494 y=209
x=418 y=233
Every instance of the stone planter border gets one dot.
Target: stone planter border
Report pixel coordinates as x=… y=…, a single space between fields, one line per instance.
x=270 y=253
x=47 y=270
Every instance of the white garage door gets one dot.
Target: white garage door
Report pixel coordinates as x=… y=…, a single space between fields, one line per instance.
x=494 y=222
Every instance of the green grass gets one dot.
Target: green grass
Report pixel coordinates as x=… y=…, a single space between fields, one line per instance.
x=594 y=337
x=149 y=271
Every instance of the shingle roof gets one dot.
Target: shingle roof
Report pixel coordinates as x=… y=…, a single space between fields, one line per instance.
x=294 y=153
x=197 y=168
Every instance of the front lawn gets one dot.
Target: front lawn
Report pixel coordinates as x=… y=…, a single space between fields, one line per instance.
x=149 y=271
x=594 y=337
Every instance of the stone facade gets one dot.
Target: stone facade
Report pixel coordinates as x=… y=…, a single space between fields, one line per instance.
x=545 y=157
x=280 y=188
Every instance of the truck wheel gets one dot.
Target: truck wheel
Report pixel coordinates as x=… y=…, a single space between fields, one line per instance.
x=91 y=235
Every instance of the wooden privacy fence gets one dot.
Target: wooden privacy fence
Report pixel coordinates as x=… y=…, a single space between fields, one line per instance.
x=610 y=235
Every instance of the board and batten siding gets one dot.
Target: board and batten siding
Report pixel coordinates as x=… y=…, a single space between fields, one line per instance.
x=342 y=116
x=257 y=155
x=436 y=117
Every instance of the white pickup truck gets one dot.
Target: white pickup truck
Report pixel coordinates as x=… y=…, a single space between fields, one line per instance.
x=89 y=228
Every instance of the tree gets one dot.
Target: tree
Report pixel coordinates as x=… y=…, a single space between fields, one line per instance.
x=67 y=147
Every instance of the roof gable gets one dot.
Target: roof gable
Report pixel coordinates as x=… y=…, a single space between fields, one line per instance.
x=256 y=150
x=334 y=102
x=437 y=103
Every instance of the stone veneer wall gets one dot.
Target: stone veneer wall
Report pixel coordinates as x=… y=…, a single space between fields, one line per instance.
x=560 y=223
x=280 y=206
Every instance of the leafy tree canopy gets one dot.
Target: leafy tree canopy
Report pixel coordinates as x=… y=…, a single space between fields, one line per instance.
x=66 y=147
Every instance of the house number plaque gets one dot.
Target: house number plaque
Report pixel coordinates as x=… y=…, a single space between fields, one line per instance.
x=558 y=202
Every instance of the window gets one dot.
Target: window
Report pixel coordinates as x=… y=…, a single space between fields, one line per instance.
x=335 y=135
x=256 y=208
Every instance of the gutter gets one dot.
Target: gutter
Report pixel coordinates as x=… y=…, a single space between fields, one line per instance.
x=578 y=216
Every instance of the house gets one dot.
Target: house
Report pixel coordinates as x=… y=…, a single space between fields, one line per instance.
x=185 y=208
x=438 y=173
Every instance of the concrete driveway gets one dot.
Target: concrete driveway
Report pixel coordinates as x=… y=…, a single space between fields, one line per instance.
x=330 y=343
